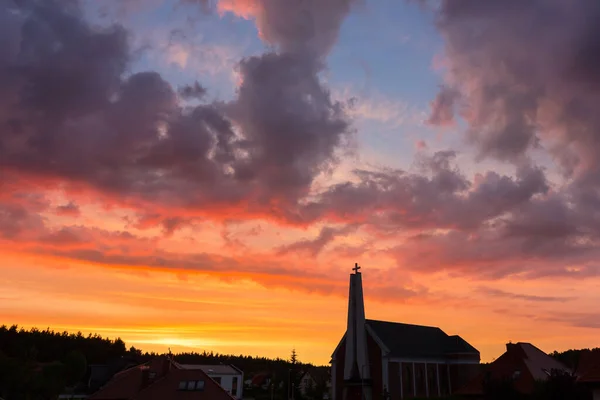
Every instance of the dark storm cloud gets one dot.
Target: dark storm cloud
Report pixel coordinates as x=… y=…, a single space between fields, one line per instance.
x=528 y=71
x=72 y=112
x=524 y=75
x=291 y=127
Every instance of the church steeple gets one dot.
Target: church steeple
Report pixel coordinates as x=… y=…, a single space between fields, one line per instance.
x=356 y=363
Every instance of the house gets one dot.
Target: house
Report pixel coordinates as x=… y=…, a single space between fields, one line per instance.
x=588 y=372
x=228 y=376
x=160 y=379
x=522 y=365
x=315 y=379
x=399 y=361
x=306 y=383
x=262 y=380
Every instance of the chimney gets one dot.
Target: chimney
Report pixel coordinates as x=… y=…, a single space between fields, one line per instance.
x=145 y=375
x=165 y=365
x=511 y=347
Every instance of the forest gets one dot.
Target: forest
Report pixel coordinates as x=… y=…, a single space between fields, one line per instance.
x=41 y=364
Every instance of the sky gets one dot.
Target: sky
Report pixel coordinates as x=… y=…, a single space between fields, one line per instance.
x=203 y=174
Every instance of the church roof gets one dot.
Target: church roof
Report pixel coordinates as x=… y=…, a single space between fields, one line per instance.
x=406 y=340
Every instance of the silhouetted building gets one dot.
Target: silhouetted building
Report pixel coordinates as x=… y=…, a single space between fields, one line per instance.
x=229 y=377
x=588 y=372
x=378 y=359
x=315 y=382
x=521 y=366
x=161 y=379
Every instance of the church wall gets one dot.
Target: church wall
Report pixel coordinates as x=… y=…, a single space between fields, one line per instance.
x=340 y=358
x=394 y=380
x=432 y=380
x=375 y=362
x=461 y=374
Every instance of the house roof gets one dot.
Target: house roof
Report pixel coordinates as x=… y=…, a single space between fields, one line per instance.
x=260 y=379
x=539 y=363
x=218 y=369
x=523 y=363
x=123 y=385
x=167 y=387
x=406 y=340
x=132 y=384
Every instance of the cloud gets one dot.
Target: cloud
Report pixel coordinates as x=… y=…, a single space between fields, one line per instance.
x=130 y=139
x=491 y=292
x=190 y=51
x=128 y=135
x=522 y=75
x=528 y=74
x=21 y=230
x=301 y=27
x=382 y=109
x=195 y=91
x=70 y=209
x=442 y=108
x=313 y=247
x=588 y=320
x=494 y=251
x=439 y=196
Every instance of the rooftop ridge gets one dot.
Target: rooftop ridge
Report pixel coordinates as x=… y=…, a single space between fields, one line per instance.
x=406 y=324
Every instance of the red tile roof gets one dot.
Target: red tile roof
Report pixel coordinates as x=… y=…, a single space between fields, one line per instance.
x=124 y=385
x=260 y=379
x=159 y=379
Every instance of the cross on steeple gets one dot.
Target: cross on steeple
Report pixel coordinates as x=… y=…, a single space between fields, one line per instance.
x=356 y=268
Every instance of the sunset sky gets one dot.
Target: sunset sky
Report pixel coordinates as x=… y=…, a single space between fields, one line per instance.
x=203 y=174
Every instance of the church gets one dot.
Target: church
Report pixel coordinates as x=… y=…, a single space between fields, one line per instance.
x=390 y=361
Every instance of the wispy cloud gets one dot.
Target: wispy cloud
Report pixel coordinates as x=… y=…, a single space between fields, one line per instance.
x=377 y=107
x=491 y=292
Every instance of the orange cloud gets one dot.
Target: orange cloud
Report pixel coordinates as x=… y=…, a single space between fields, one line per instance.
x=243 y=8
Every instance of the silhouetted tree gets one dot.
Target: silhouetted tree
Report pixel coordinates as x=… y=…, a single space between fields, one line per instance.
x=75 y=367
x=560 y=385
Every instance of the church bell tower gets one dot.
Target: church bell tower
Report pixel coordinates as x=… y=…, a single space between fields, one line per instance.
x=357 y=374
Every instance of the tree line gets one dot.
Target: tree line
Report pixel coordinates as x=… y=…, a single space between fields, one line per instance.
x=40 y=364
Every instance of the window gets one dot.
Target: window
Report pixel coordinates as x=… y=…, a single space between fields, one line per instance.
x=191 y=385
x=234 y=384
x=217 y=379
